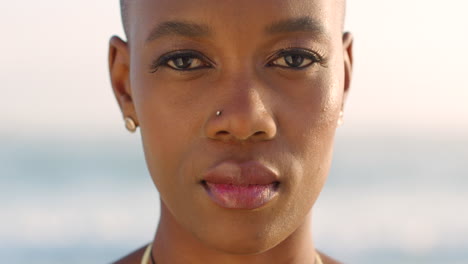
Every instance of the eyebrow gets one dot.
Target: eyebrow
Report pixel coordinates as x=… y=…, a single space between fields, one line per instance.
x=190 y=29
x=181 y=28
x=301 y=24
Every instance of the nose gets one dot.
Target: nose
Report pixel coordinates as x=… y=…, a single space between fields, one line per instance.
x=241 y=114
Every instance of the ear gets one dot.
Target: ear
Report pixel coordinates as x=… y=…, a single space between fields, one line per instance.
x=348 y=69
x=119 y=69
x=348 y=63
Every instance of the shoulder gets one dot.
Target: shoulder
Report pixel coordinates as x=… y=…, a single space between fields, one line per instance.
x=132 y=258
x=327 y=259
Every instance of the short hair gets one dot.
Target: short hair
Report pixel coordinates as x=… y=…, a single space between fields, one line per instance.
x=124 y=14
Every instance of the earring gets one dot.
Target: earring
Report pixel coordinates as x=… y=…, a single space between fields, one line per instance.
x=340 y=119
x=130 y=124
x=218 y=113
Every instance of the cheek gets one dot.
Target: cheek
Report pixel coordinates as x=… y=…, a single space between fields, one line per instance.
x=308 y=121
x=171 y=116
x=309 y=107
x=165 y=126
x=317 y=120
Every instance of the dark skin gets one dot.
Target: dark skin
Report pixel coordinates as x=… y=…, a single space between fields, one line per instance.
x=280 y=72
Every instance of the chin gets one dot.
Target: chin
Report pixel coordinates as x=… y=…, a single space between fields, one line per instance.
x=243 y=232
x=245 y=243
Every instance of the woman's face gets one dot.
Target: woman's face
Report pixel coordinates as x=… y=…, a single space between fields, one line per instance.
x=277 y=70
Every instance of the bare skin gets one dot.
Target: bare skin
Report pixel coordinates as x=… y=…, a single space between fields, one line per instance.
x=279 y=71
x=136 y=256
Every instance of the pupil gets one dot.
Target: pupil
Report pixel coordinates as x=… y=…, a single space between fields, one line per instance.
x=294 y=60
x=183 y=62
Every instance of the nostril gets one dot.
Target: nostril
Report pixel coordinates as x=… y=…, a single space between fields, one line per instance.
x=222 y=133
x=258 y=133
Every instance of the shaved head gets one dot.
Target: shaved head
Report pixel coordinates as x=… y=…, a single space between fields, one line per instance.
x=124 y=6
x=124 y=12
x=279 y=71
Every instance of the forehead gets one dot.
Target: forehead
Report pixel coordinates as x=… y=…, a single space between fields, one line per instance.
x=233 y=15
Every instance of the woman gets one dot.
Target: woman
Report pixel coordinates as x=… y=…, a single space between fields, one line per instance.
x=237 y=103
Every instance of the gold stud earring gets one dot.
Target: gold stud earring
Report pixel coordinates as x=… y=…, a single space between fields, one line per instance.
x=130 y=124
x=340 y=119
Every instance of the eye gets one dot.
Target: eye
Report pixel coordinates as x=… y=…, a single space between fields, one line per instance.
x=295 y=59
x=181 y=61
x=184 y=63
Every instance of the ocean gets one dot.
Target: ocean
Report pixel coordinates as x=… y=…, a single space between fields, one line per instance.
x=390 y=198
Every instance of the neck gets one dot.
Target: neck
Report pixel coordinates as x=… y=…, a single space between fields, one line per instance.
x=176 y=245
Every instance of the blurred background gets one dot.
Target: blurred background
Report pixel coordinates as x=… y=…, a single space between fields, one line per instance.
x=73 y=183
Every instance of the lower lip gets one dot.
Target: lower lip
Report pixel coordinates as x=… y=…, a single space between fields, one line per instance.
x=241 y=196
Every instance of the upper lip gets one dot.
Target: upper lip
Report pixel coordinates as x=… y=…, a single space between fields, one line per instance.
x=240 y=173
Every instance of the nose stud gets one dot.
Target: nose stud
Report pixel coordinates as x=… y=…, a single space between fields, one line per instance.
x=218 y=113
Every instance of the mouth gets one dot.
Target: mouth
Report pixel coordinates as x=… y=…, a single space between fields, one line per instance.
x=247 y=185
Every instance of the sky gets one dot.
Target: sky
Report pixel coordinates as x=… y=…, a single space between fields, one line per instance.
x=409 y=74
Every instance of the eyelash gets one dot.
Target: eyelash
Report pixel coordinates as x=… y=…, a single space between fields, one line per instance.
x=314 y=57
x=172 y=56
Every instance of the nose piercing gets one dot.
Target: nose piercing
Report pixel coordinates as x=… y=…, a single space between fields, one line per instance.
x=218 y=113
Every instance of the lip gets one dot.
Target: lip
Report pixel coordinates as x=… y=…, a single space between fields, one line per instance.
x=247 y=185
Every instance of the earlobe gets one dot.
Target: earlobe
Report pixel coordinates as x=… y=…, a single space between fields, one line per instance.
x=119 y=69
